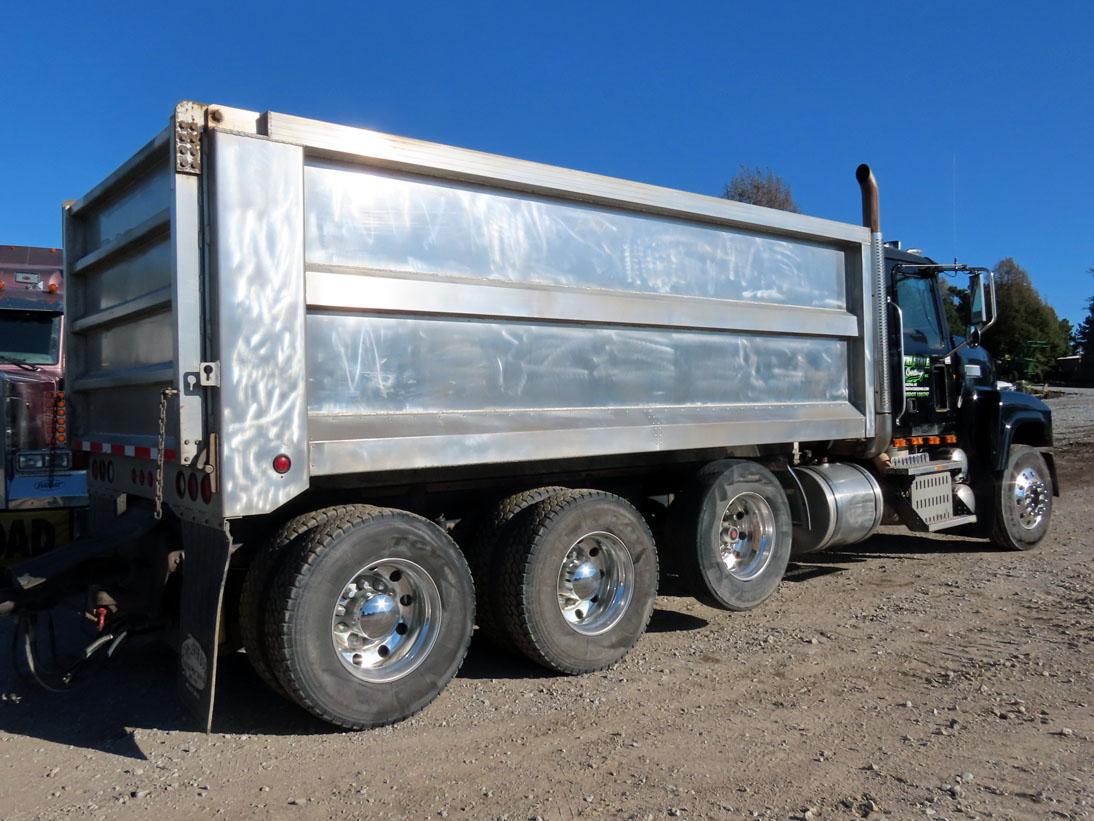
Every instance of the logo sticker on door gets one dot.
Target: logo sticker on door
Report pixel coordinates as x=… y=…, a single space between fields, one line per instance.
x=917 y=374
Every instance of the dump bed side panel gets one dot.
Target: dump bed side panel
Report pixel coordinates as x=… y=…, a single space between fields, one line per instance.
x=454 y=322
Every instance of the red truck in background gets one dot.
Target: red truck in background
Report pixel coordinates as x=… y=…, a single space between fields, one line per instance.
x=40 y=489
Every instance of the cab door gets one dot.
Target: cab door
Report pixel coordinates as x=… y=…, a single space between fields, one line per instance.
x=924 y=374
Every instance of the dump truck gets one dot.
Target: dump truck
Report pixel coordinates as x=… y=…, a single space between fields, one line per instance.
x=41 y=491
x=347 y=395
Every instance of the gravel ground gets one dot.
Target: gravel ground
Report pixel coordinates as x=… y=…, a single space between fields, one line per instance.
x=909 y=676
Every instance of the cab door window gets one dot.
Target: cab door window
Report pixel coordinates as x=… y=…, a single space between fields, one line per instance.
x=923 y=332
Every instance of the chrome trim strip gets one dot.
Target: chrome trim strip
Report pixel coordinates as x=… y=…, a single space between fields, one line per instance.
x=389 y=151
x=130 y=309
x=364 y=444
x=134 y=236
x=147 y=153
x=159 y=373
x=375 y=291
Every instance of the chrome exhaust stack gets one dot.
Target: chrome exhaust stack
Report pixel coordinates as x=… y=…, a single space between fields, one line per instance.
x=871 y=218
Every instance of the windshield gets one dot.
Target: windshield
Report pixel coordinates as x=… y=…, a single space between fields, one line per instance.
x=33 y=337
x=922 y=326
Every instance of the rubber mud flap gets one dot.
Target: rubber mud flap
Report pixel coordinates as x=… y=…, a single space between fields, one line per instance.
x=204 y=571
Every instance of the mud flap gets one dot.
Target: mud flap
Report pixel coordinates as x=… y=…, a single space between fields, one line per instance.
x=204 y=572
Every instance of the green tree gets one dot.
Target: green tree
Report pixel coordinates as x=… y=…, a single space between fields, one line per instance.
x=760 y=186
x=1028 y=336
x=1082 y=338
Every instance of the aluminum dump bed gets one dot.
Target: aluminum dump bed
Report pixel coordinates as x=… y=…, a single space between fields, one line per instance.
x=362 y=303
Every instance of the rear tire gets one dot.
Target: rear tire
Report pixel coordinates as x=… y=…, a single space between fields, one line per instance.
x=1022 y=500
x=370 y=618
x=483 y=557
x=260 y=575
x=578 y=580
x=732 y=534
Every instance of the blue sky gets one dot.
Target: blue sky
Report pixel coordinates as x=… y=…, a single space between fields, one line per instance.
x=977 y=117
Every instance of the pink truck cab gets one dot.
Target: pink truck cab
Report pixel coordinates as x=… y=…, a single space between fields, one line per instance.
x=41 y=489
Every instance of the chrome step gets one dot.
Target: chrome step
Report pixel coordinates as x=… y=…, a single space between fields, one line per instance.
x=921 y=468
x=956 y=521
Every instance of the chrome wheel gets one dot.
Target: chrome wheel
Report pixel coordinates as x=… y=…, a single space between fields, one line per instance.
x=747 y=535
x=386 y=620
x=595 y=583
x=1030 y=496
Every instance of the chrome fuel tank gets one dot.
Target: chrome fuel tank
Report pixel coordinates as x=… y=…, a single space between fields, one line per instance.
x=845 y=506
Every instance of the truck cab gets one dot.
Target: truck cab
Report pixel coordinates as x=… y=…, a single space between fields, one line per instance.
x=40 y=487
x=948 y=411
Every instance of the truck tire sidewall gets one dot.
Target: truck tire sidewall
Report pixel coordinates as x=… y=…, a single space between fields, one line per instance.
x=1009 y=531
x=572 y=651
x=321 y=674
x=725 y=589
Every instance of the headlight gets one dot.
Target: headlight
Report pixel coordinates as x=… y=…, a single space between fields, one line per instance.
x=41 y=460
x=31 y=461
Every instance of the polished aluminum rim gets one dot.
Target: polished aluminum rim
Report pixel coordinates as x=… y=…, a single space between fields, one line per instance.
x=595 y=583
x=386 y=619
x=1030 y=495
x=747 y=535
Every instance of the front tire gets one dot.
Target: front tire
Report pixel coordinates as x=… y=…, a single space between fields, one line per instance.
x=370 y=618
x=732 y=534
x=1022 y=500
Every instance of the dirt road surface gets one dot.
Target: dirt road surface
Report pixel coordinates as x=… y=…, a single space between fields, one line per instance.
x=909 y=676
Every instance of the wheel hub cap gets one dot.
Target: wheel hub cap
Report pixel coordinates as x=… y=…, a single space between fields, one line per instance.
x=595 y=583
x=747 y=535
x=378 y=616
x=386 y=620
x=1030 y=498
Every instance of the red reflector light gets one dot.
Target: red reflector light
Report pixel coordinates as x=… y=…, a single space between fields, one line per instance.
x=192 y=487
x=142 y=478
x=94 y=468
x=133 y=475
x=110 y=471
x=180 y=484
x=282 y=463
x=206 y=488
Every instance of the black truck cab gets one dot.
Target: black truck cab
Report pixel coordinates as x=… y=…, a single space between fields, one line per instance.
x=947 y=409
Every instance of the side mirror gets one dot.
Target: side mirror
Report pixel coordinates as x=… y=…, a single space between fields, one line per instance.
x=981 y=302
x=973 y=340
x=978 y=314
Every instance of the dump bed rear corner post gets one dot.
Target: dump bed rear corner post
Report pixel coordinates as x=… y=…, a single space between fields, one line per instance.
x=204 y=571
x=186 y=220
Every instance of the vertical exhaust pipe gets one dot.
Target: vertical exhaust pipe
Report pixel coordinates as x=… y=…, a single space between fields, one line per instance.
x=871 y=218
x=871 y=213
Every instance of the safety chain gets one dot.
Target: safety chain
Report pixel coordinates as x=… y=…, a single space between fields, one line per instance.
x=164 y=395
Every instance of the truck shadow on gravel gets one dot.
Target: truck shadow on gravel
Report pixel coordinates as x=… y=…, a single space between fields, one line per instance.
x=137 y=690
x=901 y=546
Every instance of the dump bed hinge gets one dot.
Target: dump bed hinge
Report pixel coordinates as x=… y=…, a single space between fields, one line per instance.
x=189 y=119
